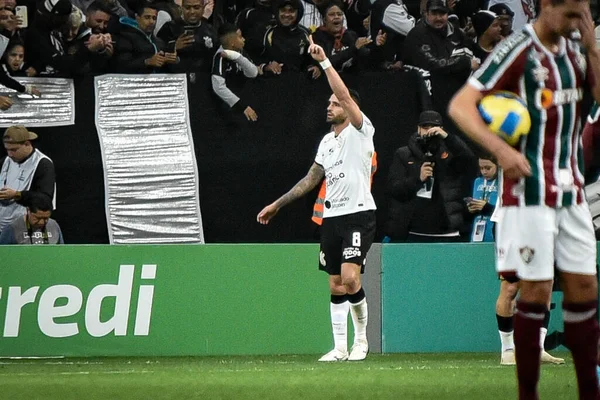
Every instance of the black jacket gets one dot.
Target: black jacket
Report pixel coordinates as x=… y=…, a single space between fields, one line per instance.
x=342 y=58
x=454 y=162
x=47 y=52
x=133 y=47
x=196 y=57
x=288 y=45
x=254 y=23
x=432 y=50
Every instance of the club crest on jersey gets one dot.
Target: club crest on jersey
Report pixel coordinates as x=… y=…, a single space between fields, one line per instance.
x=581 y=62
x=527 y=254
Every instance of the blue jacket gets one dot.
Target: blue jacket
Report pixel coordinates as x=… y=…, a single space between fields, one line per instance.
x=485 y=190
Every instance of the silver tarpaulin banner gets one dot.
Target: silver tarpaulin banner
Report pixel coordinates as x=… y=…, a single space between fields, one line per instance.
x=56 y=106
x=150 y=169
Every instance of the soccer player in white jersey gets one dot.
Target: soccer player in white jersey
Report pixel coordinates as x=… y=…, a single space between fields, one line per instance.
x=344 y=161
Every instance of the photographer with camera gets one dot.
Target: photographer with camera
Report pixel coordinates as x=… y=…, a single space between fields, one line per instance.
x=426 y=185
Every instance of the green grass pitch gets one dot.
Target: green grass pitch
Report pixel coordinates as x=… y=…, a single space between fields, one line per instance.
x=390 y=376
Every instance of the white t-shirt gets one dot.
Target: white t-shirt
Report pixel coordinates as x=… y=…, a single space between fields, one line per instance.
x=346 y=160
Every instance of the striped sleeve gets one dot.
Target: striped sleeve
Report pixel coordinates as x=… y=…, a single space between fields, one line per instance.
x=504 y=67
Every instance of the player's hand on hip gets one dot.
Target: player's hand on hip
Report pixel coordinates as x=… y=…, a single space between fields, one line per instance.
x=514 y=164
x=250 y=114
x=316 y=51
x=267 y=214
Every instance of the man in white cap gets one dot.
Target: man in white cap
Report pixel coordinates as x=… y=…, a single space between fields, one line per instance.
x=24 y=173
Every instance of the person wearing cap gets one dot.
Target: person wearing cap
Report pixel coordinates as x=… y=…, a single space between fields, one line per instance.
x=437 y=46
x=426 y=185
x=287 y=42
x=508 y=12
x=488 y=34
x=25 y=172
x=35 y=226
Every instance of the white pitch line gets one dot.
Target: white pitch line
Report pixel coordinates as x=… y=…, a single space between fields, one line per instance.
x=78 y=373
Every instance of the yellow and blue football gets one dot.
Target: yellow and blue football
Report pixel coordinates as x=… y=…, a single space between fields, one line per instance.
x=506 y=115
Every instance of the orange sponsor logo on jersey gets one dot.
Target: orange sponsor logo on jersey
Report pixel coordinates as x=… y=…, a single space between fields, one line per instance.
x=549 y=98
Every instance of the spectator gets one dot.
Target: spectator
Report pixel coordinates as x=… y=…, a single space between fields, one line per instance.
x=26 y=172
x=483 y=202
x=231 y=68
x=392 y=18
x=254 y=23
x=426 y=185
x=45 y=44
x=521 y=12
x=112 y=6
x=341 y=46
x=13 y=61
x=489 y=34
x=193 y=38
x=436 y=46
x=89 y=40
x=137 y=50
x=35 y=226
x=506 y=16
x=287 y=42
x=9 y=25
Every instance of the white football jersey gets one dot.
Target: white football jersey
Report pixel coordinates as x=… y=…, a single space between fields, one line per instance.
x=346 y=160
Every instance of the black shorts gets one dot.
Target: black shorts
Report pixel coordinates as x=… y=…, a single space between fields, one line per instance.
x=346 y=239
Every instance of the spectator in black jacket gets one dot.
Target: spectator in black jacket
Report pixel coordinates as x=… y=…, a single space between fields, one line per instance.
x=193 y=38
x=489 y=33
x=341 y=45
x=137 y=50
x=89 y=40
x=45 y=44
x=427 y=182
x=287 y=42
x=13 y=61
x=231 y=69
x=392 y=18
x=437 y=46
x=254 y=23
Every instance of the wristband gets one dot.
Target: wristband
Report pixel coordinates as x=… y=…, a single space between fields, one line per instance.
x=325 y=64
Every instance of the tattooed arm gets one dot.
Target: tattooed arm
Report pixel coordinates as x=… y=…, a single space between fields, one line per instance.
x=306 y=184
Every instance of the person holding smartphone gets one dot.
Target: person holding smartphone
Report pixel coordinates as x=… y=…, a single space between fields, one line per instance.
x=193 y=38
x=483 y=202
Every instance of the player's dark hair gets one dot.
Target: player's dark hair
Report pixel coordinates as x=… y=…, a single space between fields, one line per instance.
x=39 y=202
x=99 y=6
x=355 y=96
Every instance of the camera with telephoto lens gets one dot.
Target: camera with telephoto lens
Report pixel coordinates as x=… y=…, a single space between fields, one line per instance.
x=429 y=144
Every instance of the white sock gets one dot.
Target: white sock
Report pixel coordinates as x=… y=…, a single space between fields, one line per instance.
x=506 y=338
x=360 y=317
x=339 y=324
x=543 y=332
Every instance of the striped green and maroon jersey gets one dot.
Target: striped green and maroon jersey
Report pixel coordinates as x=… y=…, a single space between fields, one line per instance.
x=552 y=86
x=594 y=113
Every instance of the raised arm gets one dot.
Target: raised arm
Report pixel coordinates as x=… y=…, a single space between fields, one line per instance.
x=305 y=185
x=337 y=85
